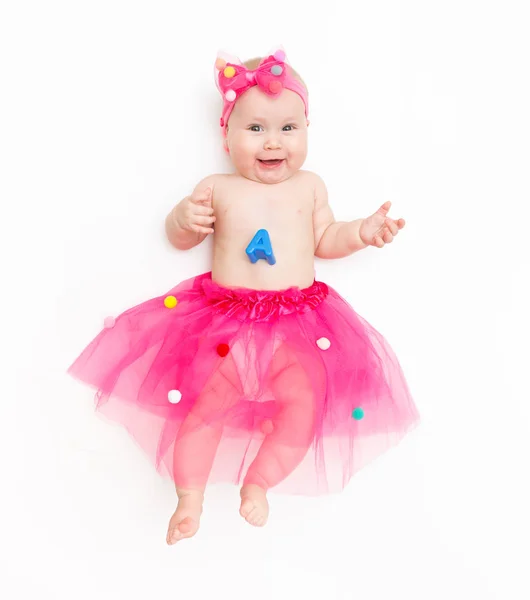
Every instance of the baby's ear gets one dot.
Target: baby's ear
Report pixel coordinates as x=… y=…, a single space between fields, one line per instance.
x=307 y=122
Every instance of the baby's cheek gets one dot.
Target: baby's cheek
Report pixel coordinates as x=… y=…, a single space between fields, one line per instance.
x=251 y=148
x=250 y=157
x=245 y=156
x=298 y=156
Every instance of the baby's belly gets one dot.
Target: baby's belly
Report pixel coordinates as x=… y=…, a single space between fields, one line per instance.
x=231 y=267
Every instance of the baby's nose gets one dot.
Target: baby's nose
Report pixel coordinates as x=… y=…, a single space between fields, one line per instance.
x=272 y=144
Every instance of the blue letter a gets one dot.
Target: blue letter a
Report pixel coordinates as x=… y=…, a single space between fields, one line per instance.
x=260 y=247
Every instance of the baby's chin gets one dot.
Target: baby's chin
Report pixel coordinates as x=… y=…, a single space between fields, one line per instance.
x=270 y=178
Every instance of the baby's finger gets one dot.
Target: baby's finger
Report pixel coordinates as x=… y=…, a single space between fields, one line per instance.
x=200 y=229
x=201 y=197
x=392 y=226
x=384 y=208
x=202 y=210
x=378 y=242
x=198 y=220
x=200 y=200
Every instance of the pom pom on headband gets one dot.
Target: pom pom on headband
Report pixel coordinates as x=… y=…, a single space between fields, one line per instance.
x=273 y=75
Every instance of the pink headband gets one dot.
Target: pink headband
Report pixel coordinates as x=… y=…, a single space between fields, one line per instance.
x=272 y=76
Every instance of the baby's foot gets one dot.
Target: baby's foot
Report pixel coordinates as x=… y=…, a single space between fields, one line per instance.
x=254 y=505
x=185 y=521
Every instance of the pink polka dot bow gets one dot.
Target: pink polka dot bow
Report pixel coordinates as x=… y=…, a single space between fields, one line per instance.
x=272 y=76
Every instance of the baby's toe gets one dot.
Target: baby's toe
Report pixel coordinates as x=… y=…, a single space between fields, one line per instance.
x=255 y=517
x=246 y=508
x=174 y=535
x=186 y=525
x=179 y=530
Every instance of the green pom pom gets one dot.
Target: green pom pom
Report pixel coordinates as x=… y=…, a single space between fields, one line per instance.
x=357 y=414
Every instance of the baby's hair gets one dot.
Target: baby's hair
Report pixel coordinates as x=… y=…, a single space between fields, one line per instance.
x=253 y=63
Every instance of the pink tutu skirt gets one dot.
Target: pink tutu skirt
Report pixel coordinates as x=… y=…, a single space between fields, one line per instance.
x=288 y=389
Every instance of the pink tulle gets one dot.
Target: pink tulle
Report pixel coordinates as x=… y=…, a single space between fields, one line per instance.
x=290 y=389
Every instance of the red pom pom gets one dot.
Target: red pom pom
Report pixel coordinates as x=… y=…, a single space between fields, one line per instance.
x=275 y=86
x=223 y=349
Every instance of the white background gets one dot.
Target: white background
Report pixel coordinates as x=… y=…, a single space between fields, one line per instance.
x=109 y=116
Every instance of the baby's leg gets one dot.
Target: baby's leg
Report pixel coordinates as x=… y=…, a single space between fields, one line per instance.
x=196 y=445
x=292 y=433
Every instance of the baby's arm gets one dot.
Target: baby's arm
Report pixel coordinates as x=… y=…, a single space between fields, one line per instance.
x=333 y=239
x=191 y=220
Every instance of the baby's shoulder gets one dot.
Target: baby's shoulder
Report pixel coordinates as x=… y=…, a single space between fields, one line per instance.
x=210 y=181
x=311 y=177
x=312 y=182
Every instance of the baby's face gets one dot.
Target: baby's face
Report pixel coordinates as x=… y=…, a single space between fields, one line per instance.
x=262 y=128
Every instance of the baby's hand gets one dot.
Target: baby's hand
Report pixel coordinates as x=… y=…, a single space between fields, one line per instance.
x=195 y=213
x=378 y=229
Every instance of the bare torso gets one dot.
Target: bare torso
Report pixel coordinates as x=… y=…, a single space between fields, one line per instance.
x=285 y=210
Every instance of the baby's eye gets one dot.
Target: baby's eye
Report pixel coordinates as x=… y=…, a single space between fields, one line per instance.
x=255 y=128
x=291 y=127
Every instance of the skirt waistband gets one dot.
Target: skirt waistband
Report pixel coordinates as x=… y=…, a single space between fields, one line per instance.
x=261 y=305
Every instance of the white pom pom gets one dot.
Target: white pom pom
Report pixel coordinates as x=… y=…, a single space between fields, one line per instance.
x=109 y=322
x=174 y=396
x=323 y=343
x=230 y=95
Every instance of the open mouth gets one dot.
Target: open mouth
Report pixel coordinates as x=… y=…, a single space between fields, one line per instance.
x=270 y=164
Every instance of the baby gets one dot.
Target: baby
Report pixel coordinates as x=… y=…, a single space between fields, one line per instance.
x=255 y=373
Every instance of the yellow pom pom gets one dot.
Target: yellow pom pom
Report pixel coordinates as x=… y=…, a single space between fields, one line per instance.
x=170 y=302
x=220 y=64
x=229 y=72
